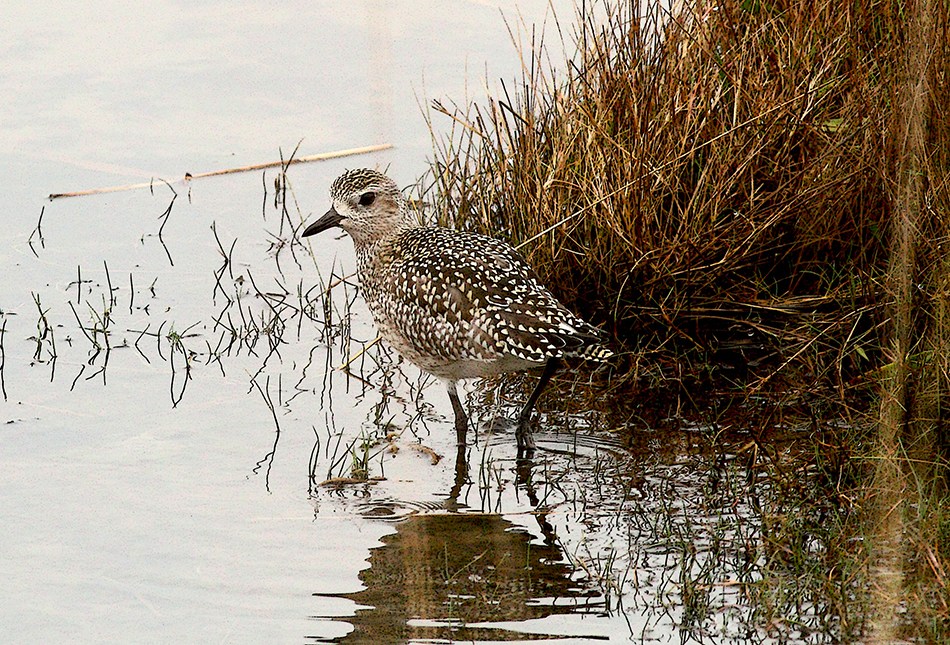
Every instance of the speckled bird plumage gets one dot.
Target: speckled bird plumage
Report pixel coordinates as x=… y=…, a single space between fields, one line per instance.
x=458 y=305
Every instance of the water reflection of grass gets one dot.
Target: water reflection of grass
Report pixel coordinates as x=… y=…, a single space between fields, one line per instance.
x=730 y=525
x=715 y=528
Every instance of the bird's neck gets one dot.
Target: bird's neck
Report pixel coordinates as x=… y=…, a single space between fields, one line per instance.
x=380 y=248
x=377 y=230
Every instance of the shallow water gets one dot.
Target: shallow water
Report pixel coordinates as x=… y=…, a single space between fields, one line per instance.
x=184 y=462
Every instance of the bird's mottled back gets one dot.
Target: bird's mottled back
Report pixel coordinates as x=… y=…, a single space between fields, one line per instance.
x=462 y=296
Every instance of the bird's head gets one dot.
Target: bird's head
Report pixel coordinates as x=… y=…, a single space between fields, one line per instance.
x=366 y=204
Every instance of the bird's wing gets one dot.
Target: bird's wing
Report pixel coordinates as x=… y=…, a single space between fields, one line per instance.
x=480 y=292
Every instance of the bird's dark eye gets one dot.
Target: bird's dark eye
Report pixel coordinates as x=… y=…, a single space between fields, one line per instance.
x=367 y=199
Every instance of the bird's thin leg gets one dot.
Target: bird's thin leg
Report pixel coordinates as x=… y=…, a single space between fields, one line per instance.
x=461 y=420
x=523 y=434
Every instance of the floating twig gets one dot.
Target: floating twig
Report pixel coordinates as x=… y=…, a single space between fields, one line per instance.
x=271 y=164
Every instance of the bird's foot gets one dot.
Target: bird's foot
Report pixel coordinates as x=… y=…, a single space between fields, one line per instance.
x=525 y=439
x=521 y=428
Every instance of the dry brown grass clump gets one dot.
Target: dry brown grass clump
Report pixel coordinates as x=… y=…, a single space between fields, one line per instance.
x=709 y=178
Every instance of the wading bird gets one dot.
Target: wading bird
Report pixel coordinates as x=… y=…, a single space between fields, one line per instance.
x=456 y=304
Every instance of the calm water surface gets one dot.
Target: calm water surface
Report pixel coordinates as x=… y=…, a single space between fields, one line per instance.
x=171 y=404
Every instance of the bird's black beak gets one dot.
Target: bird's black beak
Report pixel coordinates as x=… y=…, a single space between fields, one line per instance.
x=331 y=219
